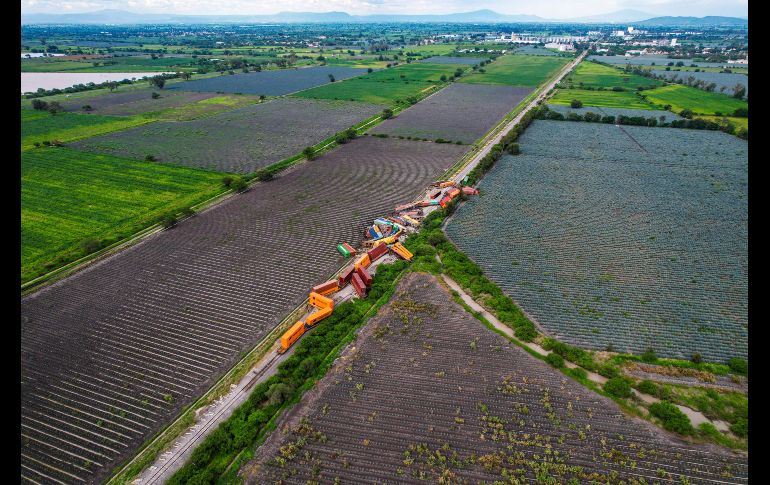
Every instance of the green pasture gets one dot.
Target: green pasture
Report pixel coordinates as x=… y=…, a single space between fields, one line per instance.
x=68 y=196
x=592 y=74
x=517 y=70
x=385 y=86
x=601 y=99
x=39 y=126
x=699 y=101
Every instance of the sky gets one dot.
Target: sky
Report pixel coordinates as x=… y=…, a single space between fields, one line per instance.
x=547 y=9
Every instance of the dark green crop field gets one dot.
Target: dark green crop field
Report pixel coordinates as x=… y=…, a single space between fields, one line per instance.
x=516 y=70
x=385 y=86
x=592 y=74
x=68 y=196
x=40 y=126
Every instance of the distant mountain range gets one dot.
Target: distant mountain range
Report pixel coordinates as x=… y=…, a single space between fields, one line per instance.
x=479 y=16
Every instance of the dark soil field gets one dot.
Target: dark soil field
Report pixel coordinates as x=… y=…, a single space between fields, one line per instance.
x=241 y=140
x=112 y=354
x=426 y=394
x=270 y=83
x=621 y=237
x=459 y=112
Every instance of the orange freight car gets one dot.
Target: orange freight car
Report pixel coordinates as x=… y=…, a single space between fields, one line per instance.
x=291 y=336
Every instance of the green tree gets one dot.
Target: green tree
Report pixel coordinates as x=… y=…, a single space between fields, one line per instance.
x=618 y=387
x=387 y=113
x=308 y=153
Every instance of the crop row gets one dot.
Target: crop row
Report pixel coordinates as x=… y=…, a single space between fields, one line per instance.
x=459 y=112
x=241 y=140
x=429 y=394
x=632 y=241
x=115 y=351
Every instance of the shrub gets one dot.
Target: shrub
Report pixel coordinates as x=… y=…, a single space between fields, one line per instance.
x=513 y=149
x=387 y=113
x=308 y=153
x=578 y=373
x=263 y=175
x=696 y=358
x=607 y=370
x=39 y=104
x=686 y=113
x=525 y=332
x=739 y=366
x=672 y=417
x=168 y=221
x=649 y=356
x=150 y=158
x=227 y=180
x=648 y=387
x=618 y=387
x=155 y=95
x=576 y=103
x=740 y=427
x=90 y=245
x=238 y=184
x=87 y=107
x=555 y=360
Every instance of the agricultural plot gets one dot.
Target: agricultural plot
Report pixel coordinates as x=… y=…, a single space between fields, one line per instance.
x=113 y=353
x=655 y=61
x=114 y=64
x=459 y=112
x=699 y=101
x=428 y=395
x=68 y=197
x=645 y=113
x=725 y=82
x=40 y=126
x=591 y=74
x=453 y=60
x=602 y=99
x=241 y=140
x=137 y=101
x=270 y=83
x=515 y=70
x=620 y=237
x=533 y=50
x=386 y=86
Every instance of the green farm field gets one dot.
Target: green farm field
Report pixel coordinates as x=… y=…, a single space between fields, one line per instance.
x=39 y=126
x=593 y=74
x=68 y=196
x=601 y=99
x=386 y=86
x=516 y=70
x=699 y=101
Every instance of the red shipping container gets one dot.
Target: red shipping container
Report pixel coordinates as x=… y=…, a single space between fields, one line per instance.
x=443 y=202
x=453 y=192
x=377 y=252
x=328 y=287
x=365 y=276
x=435 y=194
x=349 y=249
x=470 y=191
x=358 y=285
x=345 y=276
x=423 y=203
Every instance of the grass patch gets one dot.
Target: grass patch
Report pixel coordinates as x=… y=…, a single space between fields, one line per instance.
x=69 y=197
x=602 y=99
x=593 y=74
x=40 y=126
x=513 y=70
x=697 y=100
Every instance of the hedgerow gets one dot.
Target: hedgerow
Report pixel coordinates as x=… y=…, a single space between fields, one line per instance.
x=672 y=418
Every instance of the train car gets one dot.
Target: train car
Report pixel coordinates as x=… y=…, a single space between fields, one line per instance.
x=291 y=336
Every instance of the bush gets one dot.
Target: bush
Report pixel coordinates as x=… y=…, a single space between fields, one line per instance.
x=387 y=113
x=740 y=428
x=155 y=95
x=39 y=104
x=90 y=245
x=150 y=158
x=672 y=417
x=227 y=181
x=649 y=356
x=739 y=366
x=608 y=370
x=308 y=153
x=263 y=175
x=578 y=373
x=168 y=221
x=696 y=358
x=555 y=360
x=238 y=184
x=87 y=107
x=576 y=103
x=648 y=387
x=618 y=387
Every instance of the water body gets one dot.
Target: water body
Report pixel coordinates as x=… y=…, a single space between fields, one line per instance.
x=31 y=81
x=40 y=54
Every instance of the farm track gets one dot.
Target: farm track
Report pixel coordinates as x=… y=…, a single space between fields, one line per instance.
x=423 y=383
x=111 y=354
